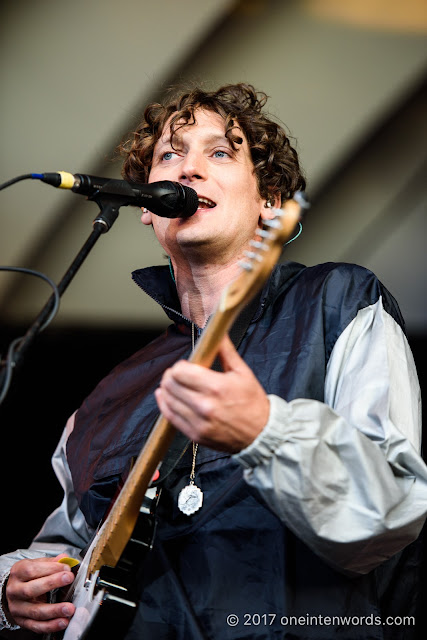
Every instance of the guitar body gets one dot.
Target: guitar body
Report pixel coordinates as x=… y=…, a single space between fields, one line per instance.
x=106 y=600
x=86 y=598
x=117 y=604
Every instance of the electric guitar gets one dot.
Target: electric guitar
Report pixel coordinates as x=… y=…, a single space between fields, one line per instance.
x=102 y=590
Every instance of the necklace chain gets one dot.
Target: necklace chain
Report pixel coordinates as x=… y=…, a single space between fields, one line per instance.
x=193 y=466
x=190 y=498
x=195 y=445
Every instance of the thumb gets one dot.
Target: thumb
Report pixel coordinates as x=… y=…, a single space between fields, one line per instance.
x=228 y=355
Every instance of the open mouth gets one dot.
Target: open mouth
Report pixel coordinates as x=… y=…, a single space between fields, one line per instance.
x=205 y=203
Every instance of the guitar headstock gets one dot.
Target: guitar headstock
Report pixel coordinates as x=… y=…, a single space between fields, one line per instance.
x=266 y=248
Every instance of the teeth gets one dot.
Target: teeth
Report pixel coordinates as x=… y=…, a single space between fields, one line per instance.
x=207 y=202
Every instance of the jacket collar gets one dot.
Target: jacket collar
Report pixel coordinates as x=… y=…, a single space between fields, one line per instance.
x=157 y=282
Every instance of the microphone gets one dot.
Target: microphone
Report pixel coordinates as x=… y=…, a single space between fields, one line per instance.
x=166 y=199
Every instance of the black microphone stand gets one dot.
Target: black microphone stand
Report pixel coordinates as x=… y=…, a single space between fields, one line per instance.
x=109 y=211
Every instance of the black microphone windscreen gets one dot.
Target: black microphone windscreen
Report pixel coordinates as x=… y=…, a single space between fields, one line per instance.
x=191 y=202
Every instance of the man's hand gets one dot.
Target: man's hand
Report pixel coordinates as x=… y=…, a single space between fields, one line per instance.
x=26 y=591
x=224 y=411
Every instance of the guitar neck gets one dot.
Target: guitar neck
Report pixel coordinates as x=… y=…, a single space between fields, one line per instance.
x=122 y=518
x=121 y=521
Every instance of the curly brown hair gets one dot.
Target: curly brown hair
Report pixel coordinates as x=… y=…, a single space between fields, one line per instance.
x=275 y=161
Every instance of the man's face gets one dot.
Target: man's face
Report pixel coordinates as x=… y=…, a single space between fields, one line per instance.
x=203 y=159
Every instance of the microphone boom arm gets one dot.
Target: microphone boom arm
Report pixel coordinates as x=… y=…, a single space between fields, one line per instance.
x=109 y=211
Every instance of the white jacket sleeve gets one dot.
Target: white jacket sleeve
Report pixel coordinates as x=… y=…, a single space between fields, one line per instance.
x=345 y=475
x=65 y=530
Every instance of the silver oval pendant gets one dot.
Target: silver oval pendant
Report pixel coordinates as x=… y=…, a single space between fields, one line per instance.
x=190 y=499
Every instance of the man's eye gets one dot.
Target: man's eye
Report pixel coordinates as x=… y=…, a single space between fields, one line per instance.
x=168 y=155
x=221 y=154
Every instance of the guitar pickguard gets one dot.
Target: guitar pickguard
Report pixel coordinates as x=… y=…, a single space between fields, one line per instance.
x=106 y=600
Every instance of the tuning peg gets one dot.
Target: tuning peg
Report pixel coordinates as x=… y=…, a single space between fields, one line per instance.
x=278 y=212
x=247 y=266
x=301 y=198
x=274 y=224
x=256 y=244
x=253 y=255
x=264 y=233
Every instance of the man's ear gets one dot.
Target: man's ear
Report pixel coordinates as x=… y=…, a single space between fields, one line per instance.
x=273 y=202
x=146 y=217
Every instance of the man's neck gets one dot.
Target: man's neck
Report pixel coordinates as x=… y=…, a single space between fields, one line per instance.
x=200 y=287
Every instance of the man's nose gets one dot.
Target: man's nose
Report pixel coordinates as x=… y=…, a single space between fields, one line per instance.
x=194 y=167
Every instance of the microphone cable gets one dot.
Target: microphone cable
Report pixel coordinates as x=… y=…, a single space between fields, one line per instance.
x=9 y=362
x=25 y=176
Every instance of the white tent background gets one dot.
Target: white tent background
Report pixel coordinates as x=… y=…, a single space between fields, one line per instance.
x=75 y=80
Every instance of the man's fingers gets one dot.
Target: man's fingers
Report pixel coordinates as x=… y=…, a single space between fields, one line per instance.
x=27 y=587
x=229 y=356
x=189 y=376
x=174 y=410
x=198 y=378
x=39 y=586
x=27 y=570
x=29 y=580
x=43 y=611
x=176 y=390
x=39 y=626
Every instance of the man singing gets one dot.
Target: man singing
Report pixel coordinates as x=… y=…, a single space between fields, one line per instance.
x=301 y=450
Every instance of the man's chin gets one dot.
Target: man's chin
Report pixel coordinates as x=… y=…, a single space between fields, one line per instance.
x=201 y=245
